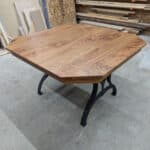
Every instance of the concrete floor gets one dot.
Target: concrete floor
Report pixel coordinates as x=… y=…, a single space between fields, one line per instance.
x=10 y=137
x=51 y=121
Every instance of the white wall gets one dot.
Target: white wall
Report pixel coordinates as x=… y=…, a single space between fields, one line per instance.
x=8 y=17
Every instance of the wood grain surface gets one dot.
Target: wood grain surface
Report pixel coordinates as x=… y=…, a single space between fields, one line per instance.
x=77 y=53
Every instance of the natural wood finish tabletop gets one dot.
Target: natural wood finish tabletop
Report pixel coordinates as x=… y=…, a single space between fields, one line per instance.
x=77 y=53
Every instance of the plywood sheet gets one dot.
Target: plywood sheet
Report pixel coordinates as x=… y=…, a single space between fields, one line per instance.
x=55 y=12
x=69 y=11
x=61 y=11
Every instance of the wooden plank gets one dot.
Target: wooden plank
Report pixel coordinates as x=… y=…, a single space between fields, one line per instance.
x=113 y=20
x=119 y=28
x=132 y=30
x=114 y=4
x=28 y=21
x=38 y=20
x=139 y=0
x=77 y=53
x=4 y=34
x=2 y=41
x=20 y=6
x=108 y=17
x=113 y=11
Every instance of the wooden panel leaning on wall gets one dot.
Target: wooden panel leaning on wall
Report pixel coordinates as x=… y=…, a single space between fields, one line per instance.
x=61 y=12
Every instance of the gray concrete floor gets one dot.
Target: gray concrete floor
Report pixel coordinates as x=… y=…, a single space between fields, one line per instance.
x=51 y=121
x=10 y=137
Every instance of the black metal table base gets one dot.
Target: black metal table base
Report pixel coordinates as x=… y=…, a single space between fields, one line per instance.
x=93 y=98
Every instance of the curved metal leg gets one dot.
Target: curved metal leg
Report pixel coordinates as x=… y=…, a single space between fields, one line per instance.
x=89 y=105
x=114 y=89
x=105 y=89
x=95 y=96
x=41 y=83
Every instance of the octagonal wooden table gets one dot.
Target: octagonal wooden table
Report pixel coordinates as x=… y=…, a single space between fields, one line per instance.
x=78 y=54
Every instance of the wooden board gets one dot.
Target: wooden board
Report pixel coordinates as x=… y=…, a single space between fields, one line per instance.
x=38 y=20
x=119 y=28
x=61 y=12
x=69 y=11
x=77 y=53
x=4 y=34
x=28 y=20
x=55 y=12
x=113 y=20
x=20 y=6
x=114 y=4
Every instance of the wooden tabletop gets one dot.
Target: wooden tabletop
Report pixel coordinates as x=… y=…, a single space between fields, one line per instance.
x=77 y=53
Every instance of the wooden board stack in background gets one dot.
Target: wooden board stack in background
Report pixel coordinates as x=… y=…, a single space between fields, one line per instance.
x=127 y=15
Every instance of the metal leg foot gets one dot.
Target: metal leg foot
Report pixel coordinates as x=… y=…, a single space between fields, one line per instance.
x=41 y=83
x=89 y=105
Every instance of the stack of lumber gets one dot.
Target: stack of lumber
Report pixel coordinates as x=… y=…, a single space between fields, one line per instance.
x=125 y=15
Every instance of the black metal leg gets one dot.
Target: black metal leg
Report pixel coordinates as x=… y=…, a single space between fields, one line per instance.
x=89 y=105
x=105 y=89
x=41 y=83
x=114 y=89
x=95 y=96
